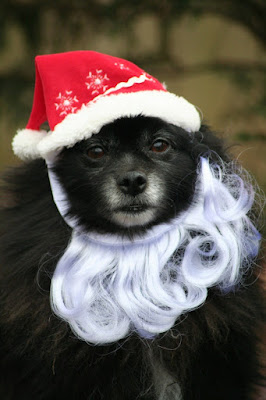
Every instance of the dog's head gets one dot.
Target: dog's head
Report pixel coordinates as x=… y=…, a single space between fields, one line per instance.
x=135 y=173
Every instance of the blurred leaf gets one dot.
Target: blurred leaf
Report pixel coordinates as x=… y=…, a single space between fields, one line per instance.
x=15 y=89
x=3 y=31
x=244 y=136
x=30 y=21
x=242 y=78
x=260 y=107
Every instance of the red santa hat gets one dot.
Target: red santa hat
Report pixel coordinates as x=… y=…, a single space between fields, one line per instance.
x=78 y=92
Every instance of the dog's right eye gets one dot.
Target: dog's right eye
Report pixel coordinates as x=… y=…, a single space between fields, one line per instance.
x=95 y=152
x=159 y=146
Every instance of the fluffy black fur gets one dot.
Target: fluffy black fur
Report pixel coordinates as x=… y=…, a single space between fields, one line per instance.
x=212 y=351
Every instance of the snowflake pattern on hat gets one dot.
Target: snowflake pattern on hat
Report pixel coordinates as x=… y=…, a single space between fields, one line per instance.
x=96 y=82
x=66 y=102
x=121 y=66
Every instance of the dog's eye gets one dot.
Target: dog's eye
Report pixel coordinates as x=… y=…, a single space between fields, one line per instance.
x=95 y=152
x=159 y=146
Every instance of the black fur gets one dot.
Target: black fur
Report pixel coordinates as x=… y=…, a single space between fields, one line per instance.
x=212 y=351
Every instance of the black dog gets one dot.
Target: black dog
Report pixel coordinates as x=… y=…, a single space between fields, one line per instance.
x=136 y=174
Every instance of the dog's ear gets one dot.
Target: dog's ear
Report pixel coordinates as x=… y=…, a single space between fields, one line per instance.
x=205 y=142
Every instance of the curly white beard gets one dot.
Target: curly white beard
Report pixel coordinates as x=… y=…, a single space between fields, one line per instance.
x=106 y=286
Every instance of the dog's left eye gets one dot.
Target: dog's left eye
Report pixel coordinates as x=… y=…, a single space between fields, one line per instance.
x=95 y=152
x=160 y=146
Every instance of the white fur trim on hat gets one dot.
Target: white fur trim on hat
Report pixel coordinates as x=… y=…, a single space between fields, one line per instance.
x=81 y=125
x=25 y=143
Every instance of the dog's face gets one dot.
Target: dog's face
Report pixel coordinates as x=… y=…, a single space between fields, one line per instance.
x=133 y=174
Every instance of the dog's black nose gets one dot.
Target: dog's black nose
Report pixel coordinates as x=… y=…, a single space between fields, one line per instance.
x=133 y=183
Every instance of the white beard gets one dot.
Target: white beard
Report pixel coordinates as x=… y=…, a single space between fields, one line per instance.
x=107 y=287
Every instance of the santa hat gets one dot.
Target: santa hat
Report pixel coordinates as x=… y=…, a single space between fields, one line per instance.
x=79 y=92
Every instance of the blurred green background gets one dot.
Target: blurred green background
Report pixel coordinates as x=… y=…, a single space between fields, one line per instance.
x=210 y=52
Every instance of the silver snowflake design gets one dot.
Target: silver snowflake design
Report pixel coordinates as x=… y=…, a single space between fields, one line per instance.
x=97 y=81
x=121 y=66
x=66 y=102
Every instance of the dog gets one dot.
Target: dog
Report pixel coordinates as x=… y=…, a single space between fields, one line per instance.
x=138 y=280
